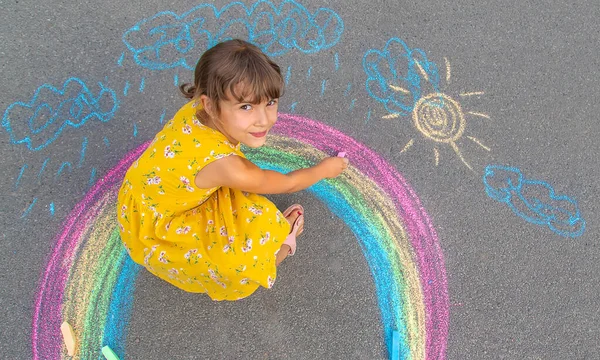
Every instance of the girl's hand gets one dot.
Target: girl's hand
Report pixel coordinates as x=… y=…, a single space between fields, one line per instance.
x=332 y=166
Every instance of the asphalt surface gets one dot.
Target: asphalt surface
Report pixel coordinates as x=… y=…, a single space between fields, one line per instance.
x=517 y=289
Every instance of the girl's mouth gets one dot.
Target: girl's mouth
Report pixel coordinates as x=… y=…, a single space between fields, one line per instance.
x=258 y=134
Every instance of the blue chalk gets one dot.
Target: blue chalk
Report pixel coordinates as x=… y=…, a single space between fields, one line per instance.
x=395 y=354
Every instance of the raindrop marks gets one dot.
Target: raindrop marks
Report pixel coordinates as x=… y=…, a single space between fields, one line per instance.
x=347 y=91
x=142 y=85
x=120 y=61
x=162 y=116
x=293 y=106
x=92 y=177
x=288 y=74
x=20 y=175
x=351 y=107
x=28 y=210
x=43 y=168
x=82 y=152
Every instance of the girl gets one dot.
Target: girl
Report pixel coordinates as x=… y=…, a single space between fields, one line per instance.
x=189 y=209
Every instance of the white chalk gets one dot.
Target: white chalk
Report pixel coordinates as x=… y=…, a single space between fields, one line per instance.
x=68 y=337
x=341 y=154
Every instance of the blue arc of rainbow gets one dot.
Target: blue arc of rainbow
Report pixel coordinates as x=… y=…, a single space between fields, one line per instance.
x=89 y=280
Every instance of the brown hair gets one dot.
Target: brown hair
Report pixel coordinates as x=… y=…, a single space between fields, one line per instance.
x=230 y=63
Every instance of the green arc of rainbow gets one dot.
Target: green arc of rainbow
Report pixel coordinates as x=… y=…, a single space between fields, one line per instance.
x=89 y=280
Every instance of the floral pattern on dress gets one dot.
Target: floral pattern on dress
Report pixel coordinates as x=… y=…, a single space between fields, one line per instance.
x=218 y=241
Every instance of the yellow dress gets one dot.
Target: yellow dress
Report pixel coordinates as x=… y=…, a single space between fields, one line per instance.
x=218 y=241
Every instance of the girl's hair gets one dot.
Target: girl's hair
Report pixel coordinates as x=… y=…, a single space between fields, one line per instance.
x=238 y=67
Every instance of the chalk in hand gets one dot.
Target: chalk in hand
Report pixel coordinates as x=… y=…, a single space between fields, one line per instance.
x=68 y=337
x=341 y=154
x=109 y=354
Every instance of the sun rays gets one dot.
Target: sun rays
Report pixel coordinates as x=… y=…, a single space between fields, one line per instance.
x=440 y=118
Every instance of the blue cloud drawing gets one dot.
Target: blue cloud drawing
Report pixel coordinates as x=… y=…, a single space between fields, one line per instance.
x=533 y=200
x=167 y=40
x=40 y=121
x=400 y=66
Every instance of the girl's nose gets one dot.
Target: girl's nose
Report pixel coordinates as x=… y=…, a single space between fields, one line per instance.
x=263 y=118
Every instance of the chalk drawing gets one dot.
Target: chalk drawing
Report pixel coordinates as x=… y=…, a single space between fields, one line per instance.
x=82 y=152
x=42 y=168
x=20 y=175
x=400 y=66
x=62 y=167
x=89 y=279
x=347 y=91
x=168 y=40
x=534 y=200
x=142 y=85
x=120 y=61
x=407 y=83
x=40 y=121
x=288 y=74
x=28 y=209
x=352 y=105
x=92 y=177
x=162 y=116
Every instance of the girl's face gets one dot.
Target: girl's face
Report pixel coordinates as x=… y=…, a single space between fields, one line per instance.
x=244 y=122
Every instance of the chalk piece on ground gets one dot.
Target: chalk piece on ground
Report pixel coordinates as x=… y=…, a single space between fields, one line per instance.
x=395 y=354
x=68 y=337
x=341 y=154
x=109 y=354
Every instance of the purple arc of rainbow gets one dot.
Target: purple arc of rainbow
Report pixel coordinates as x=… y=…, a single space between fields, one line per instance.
x=394 y=231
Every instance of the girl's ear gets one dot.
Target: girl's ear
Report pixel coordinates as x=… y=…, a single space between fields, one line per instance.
x=207 y=105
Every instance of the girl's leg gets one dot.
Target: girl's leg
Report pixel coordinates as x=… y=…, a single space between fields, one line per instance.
x=285 y=249
x=282 y=254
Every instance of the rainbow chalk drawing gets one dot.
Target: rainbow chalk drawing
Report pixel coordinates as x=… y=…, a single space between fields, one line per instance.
x=533 y=200
x=40 y=121
x=168 y=40
x=90 y=280
x=407 y=83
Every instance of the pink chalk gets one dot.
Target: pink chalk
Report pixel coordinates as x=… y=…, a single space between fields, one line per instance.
x=341 y=154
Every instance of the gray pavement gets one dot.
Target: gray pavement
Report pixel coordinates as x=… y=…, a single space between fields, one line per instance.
x=517 y=289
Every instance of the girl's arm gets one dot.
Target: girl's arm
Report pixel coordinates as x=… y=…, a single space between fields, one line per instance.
x=239 y=173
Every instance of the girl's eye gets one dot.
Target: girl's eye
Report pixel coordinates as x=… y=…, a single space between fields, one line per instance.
x=246 y=107
x=272 y=102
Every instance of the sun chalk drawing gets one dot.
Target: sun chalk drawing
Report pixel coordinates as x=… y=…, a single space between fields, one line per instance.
x=89 y=279
x=533 y=200
x=168 y=40
x=407 y=83
x=40 y=121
